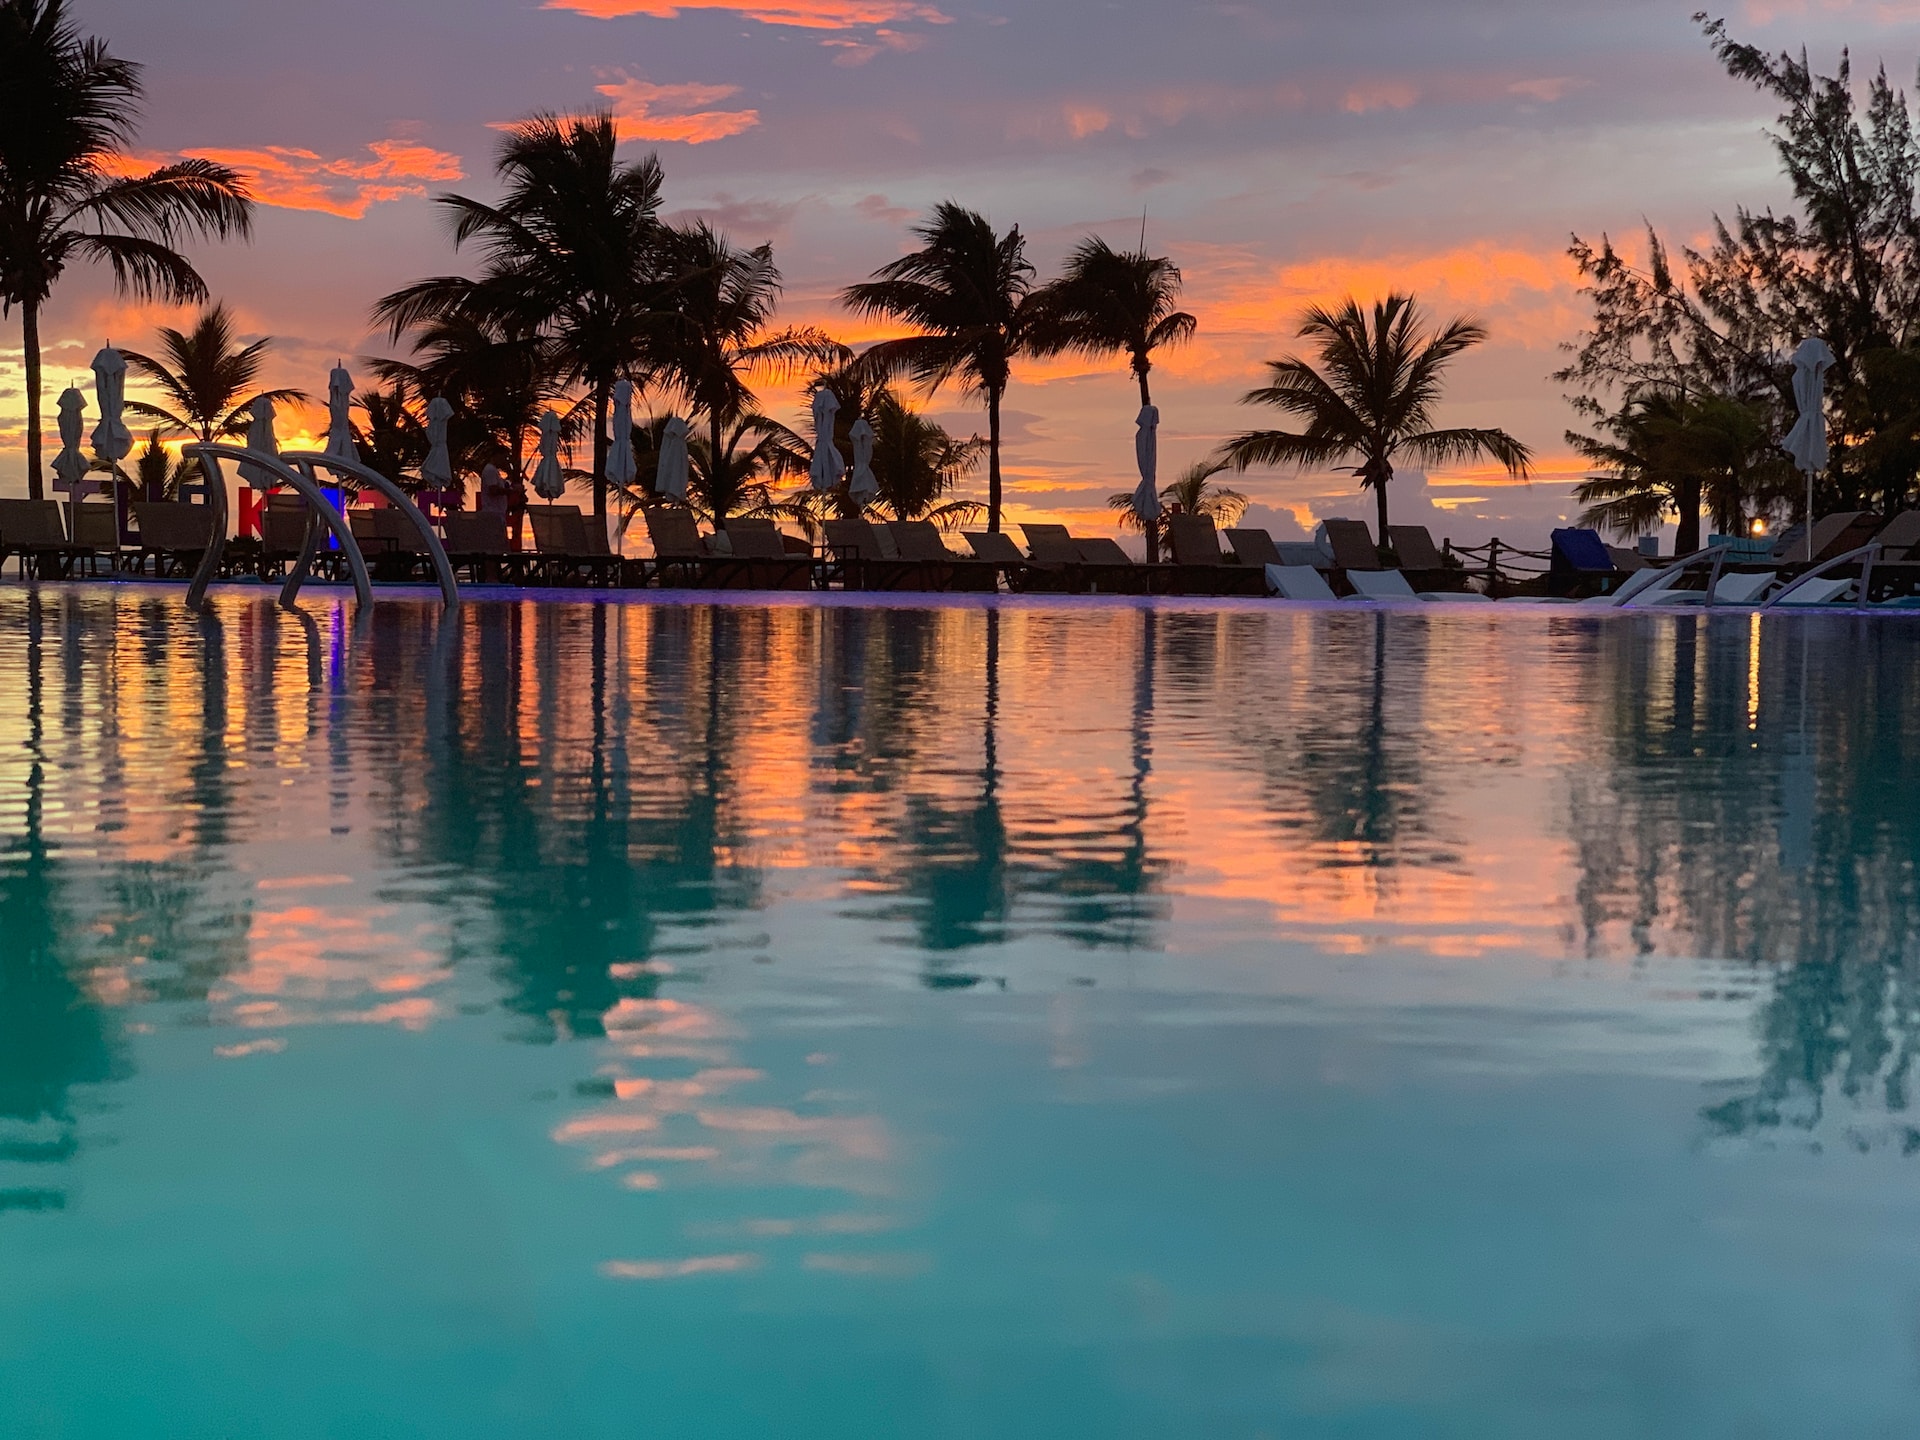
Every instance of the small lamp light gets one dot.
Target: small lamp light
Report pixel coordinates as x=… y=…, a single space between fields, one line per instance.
x=1759 y=526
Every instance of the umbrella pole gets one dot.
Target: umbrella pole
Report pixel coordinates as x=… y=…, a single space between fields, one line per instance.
x=1809 y=517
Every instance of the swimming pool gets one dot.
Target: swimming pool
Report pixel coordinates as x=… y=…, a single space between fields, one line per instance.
x=1033 y=1018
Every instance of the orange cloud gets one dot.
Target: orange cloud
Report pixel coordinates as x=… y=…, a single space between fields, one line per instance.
x=295 y=179
x=637 y=103
x=801 y=14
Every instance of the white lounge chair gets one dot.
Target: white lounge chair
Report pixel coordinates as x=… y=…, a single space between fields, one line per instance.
x=1743 y=587
x=1297 y=582
x=1380 y=585
x=1820 y=590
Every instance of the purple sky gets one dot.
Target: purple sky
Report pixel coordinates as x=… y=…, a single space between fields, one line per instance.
x=1283 y=153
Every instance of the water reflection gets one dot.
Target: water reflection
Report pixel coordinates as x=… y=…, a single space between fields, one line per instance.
x=263 y=820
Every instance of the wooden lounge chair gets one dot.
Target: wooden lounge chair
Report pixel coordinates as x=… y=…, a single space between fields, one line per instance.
x=1352 y=545
x=682 y=557
x=570 y=547
x=863 y=558
x=1201 y=566
x=174 y=534
x=1899 y=538
x=391 y=546
x=992 y=547
x=765 y=561
x=1052 y=559
x=1420 y=559
x=1109 y=570
x=920 y=540
x=32 y=530
x=1832 y=535
x=476 y=541
x=96 y=535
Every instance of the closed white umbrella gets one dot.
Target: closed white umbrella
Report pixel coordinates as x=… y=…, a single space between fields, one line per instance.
x=549 y=480
x=621 y=466
x=863 y=486
x=340 y=414
x=671 y=479
x=70 y=465
x=260 y=437
x=112 y=441
x=1146 y=454
x=436 y=471
x=828 y=464
x=1807 y=441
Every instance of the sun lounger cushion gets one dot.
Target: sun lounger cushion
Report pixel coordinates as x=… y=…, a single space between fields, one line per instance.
x=1819 y=591
x=470 y=532
x=1832 y=535
x=1380 y=585
x=95 y=527
x=31 y=522
x=1297 y=582
x=1582 y=549
x=755 y=543
x=674 y=533
x=1741 y=587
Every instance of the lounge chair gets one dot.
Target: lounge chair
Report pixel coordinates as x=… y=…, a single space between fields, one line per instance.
x=96 y=535
x=1297 y=582
x=1833 y=535
x=765 y=560
x=476 y=541
x=921 y=540
x=1899 y=538
x=32 y=530
x=1254 y=547
x=998 y=550
x=1380 y=585
x=389 y=543
x=863 y=557
x=1201 y=567
x=1350 y=545
x=1109 y=570
x=1053 y=559
x=1580 y=566
x=681 y=555
x=1421 y=562
x=571 y=548
x=173 y=533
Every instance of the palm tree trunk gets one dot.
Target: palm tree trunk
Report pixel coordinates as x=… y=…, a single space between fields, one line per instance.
x=714 y=427
x=993 y=460
x=1151 y=527
x=30 y=338
x=602 y=398
x=1686 y=538
x=1380 y=497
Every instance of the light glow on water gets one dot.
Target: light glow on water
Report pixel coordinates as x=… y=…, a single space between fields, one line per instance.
x=1032 y=1019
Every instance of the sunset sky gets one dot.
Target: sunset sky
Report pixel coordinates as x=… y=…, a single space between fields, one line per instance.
x=1283 y=153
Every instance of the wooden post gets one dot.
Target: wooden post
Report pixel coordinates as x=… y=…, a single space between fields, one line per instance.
x=1493 y=568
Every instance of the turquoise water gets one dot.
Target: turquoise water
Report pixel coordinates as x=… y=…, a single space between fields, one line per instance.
x=1052 y=1019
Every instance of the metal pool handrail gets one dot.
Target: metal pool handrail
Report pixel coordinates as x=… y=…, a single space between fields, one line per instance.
x=442 y=569
x=1868 y=552
x=210 y=454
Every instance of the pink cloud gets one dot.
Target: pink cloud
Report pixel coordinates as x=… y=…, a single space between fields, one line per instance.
x=801 y=14
x=645 y=111
x=297 y=179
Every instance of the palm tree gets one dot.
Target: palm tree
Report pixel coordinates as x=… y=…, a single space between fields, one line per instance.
x=498 y=375
x=204 y=378
x=720 y=302
x=1194 y=492
x=67 y=111
x=967 y=290
x=1665 y=453
x=917 y=463
x=157 y=472
x=573 y=251
x=391 y=437
x=1372 y=398
x=1114 y=302
x=754 y=451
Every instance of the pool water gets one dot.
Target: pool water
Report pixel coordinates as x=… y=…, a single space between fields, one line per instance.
x=1023 y=1019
